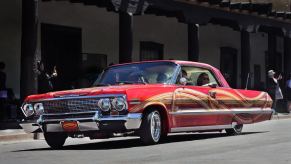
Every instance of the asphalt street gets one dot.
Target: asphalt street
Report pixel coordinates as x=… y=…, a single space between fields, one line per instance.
x=267 y=142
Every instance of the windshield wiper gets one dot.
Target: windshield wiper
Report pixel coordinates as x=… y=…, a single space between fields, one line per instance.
x=124 y=82
x=101 y=84
x=130 y=82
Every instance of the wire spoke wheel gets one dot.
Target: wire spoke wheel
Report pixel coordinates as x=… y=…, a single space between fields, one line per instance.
x=151 y=128
x=156 y=126
x=236 y=130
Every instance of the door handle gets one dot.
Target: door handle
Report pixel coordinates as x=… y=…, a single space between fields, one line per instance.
x=212 y=94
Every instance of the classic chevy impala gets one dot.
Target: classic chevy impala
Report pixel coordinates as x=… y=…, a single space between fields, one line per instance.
x=148 y=99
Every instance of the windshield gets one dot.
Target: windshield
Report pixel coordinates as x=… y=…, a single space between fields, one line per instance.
x=140 y=73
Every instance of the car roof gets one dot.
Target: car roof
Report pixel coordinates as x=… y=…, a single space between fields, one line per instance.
x=221 y=80
x=180 y=62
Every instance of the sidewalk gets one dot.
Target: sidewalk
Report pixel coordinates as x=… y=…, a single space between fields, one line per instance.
x=19 y=134
x=282 y=116
x=10 y=130
x=14 y=135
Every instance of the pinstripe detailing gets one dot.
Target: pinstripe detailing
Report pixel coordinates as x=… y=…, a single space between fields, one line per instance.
x=222 y=111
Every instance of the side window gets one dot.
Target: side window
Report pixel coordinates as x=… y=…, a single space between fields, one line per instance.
x=198 y=76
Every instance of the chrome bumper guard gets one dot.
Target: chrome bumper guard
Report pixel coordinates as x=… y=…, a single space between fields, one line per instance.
x=130 y=121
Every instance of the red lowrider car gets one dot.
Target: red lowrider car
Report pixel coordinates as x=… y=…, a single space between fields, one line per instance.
x=149 y=99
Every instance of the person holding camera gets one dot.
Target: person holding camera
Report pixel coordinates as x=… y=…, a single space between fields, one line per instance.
x=274 y=89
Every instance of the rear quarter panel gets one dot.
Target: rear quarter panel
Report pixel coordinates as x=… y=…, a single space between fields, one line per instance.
x=247 y=106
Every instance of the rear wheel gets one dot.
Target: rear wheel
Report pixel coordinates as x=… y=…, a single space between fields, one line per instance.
x=151 y=128
x=55 y=140
x=236 y=130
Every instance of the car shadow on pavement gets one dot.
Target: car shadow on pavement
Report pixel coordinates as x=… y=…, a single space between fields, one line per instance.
x=136 y=142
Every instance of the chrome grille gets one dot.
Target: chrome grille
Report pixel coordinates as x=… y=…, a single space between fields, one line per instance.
x=70 y=106
x=68 y=116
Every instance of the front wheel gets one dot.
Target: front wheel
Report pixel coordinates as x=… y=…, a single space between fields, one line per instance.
x=151 y=128
x=236 y=130
x=55 y=140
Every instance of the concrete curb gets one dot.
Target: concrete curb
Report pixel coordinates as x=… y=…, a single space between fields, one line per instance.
x=18 y=135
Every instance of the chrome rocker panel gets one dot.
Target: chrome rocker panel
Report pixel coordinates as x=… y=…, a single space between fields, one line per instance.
x=131 y=121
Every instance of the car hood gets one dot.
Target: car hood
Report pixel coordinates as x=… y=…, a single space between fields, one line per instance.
x=136 y=91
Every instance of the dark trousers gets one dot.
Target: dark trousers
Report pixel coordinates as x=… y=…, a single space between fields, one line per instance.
x=274 y=105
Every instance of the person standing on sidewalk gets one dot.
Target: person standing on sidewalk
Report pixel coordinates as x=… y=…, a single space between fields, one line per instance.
x=274 y=89
x=288 y=93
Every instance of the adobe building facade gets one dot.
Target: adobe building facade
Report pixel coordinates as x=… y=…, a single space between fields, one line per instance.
x=94 y=35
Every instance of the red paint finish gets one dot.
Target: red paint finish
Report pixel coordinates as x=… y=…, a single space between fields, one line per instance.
x=186 y=106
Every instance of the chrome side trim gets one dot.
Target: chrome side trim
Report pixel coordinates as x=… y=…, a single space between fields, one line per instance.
x=221 y=111
x=201 y=128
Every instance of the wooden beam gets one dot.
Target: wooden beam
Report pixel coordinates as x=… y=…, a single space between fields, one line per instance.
x=287 y=57
x=193 y=42
x=28 y=82
x=125 y=37
x=245 y=58
x=272 y=51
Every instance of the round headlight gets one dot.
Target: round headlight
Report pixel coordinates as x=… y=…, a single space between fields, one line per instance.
x=119 y=104
x=28 y=110
x=38 y=107
x=104 y=104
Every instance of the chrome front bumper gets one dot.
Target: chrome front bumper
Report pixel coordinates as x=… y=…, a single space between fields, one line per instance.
x=131 y=121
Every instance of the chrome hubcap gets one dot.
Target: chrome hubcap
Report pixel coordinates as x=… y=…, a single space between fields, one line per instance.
x=155 y=126
x=238 y=128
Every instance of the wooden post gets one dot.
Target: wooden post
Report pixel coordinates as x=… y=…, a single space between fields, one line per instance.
x=272 y=50
x=28 y=83
x=287 y=56
x=193 y=42
x=125 y=37
x=245 y=59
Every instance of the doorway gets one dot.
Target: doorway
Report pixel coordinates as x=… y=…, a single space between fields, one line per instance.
x=151 y=51
x=228 y=65
x=61 y=47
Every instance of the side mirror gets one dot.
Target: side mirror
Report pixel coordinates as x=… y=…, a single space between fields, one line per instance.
x=183 y=81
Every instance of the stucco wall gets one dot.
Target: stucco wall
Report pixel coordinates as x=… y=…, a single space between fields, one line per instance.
x=212 y=37
x=167 y=31
x=100 y=35
x=10 y=41
x=259 y=47
x=100 y=29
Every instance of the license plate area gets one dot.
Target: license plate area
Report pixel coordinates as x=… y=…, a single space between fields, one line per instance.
x=70 y=126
